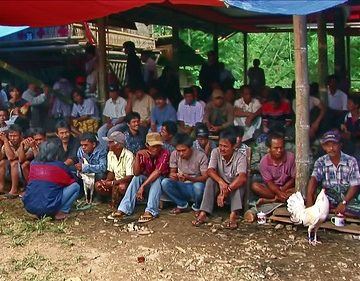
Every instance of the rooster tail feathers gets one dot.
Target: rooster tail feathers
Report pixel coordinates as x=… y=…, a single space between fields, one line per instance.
x=296 y=207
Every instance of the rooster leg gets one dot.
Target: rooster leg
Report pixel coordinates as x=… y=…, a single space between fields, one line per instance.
x=315 y=239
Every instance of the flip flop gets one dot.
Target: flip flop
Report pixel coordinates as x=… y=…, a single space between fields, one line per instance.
x=198 y=222
x=116 y=215
x=11 y=196
x=145 y=218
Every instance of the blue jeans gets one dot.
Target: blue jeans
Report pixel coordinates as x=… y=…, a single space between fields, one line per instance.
x=70 y=194
x=104 y=131
x=180 y=192
x=127 y=204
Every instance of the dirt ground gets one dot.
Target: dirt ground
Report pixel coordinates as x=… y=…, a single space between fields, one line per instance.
x=88 y=246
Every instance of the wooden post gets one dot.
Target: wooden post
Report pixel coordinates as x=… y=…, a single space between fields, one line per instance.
x=348 y=59
x=175 y=39
x=216 y=41
x=101 y=52
x=245 y=49
x=322 y=56
x=339 y=41
x=302 y=104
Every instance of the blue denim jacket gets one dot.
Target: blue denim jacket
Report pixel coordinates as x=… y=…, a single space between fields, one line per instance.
x=97 y=160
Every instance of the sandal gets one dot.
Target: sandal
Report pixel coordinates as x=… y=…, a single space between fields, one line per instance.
x=178 y=211
x=145 y=218
x=116 y=215
x=232 y=225
x=198 y=222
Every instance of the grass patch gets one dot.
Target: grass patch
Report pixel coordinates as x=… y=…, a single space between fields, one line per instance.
x=34 y=261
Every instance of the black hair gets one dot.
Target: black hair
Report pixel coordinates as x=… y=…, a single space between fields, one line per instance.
x=171 y=127
x=37 y=131
x=331 y=77
x=90 y=49
x=129 y=45
x=160 y=97
x=4 y=109
x=238 y=130
x=243 y=87
x=48 y=152
x=355 y=99
x=228 y=134
x=14 y=87
x=183 y=139
x=256 y=62
x=88 y=136
x=273 y=135
x=62 y=124
x=15 y=128
x=188 y=90
x=79 y=92
x=274 y=96
x=138 y=87
x=132 y=115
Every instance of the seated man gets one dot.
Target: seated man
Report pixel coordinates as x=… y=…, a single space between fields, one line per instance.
x=140 y=102
x=151 y=165
x=339 y=174
x=68 y=144
x=202 y=142
x=161 y=112
x=134 y=135
x=247 y=112
x=114 y=113
x=227 y=175
x=187 y=177
x=4 y=116
x=91 y=156
x=189 y=112
x=10 y=165
x=84 y=114
x=29 y=148
x=277 y=169
x=120 y=169
x=168 y=131
x=218 y=114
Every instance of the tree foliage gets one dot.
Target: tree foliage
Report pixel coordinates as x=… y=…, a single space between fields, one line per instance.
x=275 y=51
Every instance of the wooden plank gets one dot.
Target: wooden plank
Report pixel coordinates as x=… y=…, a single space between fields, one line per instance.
x=350 y=228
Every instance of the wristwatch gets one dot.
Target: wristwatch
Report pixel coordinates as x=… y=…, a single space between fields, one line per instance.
x=344 y=202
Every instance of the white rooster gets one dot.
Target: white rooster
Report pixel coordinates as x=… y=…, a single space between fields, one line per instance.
x=313 y=216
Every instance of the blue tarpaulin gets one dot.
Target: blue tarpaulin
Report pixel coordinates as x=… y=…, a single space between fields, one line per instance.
x=7 y=30
x=284 y=7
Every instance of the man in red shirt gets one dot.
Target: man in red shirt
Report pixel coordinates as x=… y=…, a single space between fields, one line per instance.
x=150 y=166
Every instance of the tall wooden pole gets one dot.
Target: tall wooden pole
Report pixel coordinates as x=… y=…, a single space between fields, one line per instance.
x=216 y=41
x=245 y=50
x=302 y=104
x=322 y=56
x=175 y=39
x=102 y=82
x=339 y=41
x=348 y=59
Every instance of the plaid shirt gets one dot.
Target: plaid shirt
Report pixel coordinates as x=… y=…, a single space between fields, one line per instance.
x=346 y=174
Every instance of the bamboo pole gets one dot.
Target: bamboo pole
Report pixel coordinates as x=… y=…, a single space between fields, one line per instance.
x=322 y=56
x=30 y=79
x=175 y=39
x=245 y=50
x=102 y=85
x=339 y=41
x=302 y=103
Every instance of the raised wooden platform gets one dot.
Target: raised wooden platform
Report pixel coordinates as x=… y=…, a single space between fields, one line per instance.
x=352 y=225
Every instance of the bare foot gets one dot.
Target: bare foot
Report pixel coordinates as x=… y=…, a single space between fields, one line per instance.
x=263 y=201
x=200 y=219
x=61 y=216
x=220 y=200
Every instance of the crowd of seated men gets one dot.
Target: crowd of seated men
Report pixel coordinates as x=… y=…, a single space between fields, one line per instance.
x=193 y=153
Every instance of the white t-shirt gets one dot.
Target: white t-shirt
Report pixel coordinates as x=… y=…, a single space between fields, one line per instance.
x=115 y=110
x=337 y=101
x=252 y=107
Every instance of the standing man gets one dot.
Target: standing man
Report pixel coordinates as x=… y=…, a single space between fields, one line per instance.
x=188 y=173
x=277 y=169
x=134 y=75
x=120 y=169
x=209 y=74
x=337 y=103
x=151 y=165
x=114 y=113
x=150 y=71
x=227 y=176
x=339 y=174
x=256 y=77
